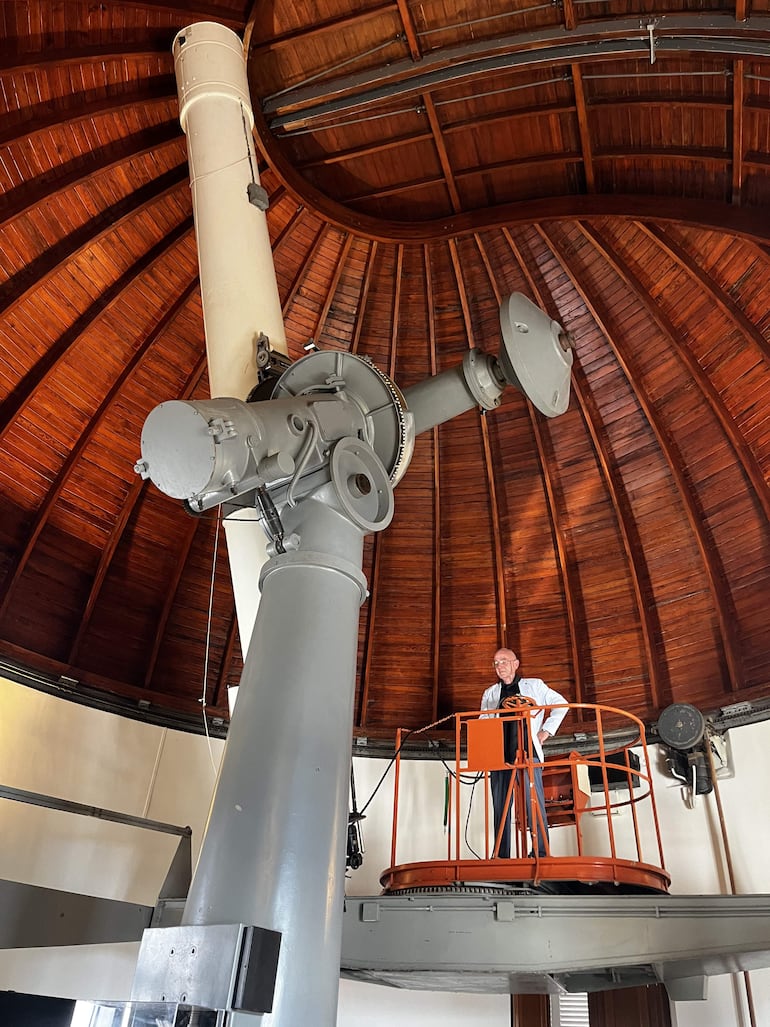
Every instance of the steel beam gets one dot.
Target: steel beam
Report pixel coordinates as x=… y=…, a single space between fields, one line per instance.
x=612 y=38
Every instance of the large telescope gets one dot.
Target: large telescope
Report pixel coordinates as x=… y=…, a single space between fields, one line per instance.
x=318 y=461
x=314 y=453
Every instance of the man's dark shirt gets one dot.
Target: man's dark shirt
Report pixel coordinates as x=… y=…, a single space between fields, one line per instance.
x=512 y=729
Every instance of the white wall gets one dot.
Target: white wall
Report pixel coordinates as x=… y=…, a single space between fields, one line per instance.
x=53 y=746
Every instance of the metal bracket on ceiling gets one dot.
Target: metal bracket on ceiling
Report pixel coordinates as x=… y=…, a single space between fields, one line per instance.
x=650 y=26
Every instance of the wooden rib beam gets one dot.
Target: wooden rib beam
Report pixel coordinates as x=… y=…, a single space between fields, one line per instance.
x=303 y=268
x=497 y=548
x=397 y=189
x=371 y=612
x=654 y=311
x=649 y=622
x=738 y=97
x=53 y=668
x=712 y=565
x=157 y=45
x=409 y=30
x=541 y=160
x=339 y=267
x=42 y=268
x=566 y=558
x=171 y=585
x=88 y=234
x=720 y=296
x=365 y=151
x=227 y=662
x=540 y=110
x=584 y=129
x=430 y=304
x=364 y=297
x=375 y=572
x=16 y=567
x=86 y=168
x=41 y=117
x=368 y=649
x=443 y=156
x=287 y=229
x=309 y=32
x=570 y=17
x=116 y=534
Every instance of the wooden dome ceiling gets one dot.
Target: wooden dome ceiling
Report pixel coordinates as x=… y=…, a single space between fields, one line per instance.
x=423 y=160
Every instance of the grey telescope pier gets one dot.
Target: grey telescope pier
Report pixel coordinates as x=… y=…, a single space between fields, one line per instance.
x=320 y=460
x=483 y=942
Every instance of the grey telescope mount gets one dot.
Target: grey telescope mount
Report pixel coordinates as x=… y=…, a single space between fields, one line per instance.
x=261 y=930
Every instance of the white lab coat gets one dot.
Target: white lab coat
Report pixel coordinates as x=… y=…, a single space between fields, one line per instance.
x=539 y=692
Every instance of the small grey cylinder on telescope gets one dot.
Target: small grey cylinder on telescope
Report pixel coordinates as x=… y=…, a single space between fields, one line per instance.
x=535 y=357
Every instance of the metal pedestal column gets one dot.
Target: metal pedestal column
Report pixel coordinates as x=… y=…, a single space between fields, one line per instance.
x=274 y=851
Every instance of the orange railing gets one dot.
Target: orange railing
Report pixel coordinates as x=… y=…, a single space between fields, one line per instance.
x=599 y=801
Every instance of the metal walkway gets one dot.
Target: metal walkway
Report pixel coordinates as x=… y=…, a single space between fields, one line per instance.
x=488 y=942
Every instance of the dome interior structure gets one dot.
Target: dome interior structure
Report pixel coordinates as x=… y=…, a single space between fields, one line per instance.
x=609 y=160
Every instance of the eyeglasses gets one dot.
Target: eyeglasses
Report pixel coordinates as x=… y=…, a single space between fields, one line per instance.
x=496 y=663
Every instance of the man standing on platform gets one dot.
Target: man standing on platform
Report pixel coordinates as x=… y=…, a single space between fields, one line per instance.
x=510 y=691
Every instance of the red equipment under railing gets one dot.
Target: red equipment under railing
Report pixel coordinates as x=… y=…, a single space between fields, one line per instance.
x=594 y=847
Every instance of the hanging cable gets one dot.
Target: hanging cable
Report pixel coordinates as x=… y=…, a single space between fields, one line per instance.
x=202 y=699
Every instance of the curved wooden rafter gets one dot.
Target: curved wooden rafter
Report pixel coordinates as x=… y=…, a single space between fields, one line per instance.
x=17 y=566
x=291 y=225
x=159 y=90
x=584 y=129
x=365 y=286
x=18 y=398
x=91 y=232
x=719 y=296
x=654 y=311
x=225 y=666
x=695 y=516
x=84 y=169
x=649 y=622
x=50 y=57
x=436 y=619
x=443 y=156
x=186 y=539
x=566 y=558
x=338 y=269
x=410 y=31
x=121 y=523
x=497 y=548
x=302 y=270
x=737 y=154
x=368 y=647
x=330 y=25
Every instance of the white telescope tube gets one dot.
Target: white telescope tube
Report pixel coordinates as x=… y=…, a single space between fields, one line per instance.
x=238 y=286
x=237 y=274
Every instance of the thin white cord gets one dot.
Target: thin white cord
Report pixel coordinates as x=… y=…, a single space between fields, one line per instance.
x=208 y=638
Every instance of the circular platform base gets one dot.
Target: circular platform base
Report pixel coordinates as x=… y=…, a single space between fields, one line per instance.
x=563 y=874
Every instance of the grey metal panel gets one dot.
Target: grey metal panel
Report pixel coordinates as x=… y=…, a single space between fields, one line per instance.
x=32 y=917
x=436 y=941
x=192 y=965
x=215 y=967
